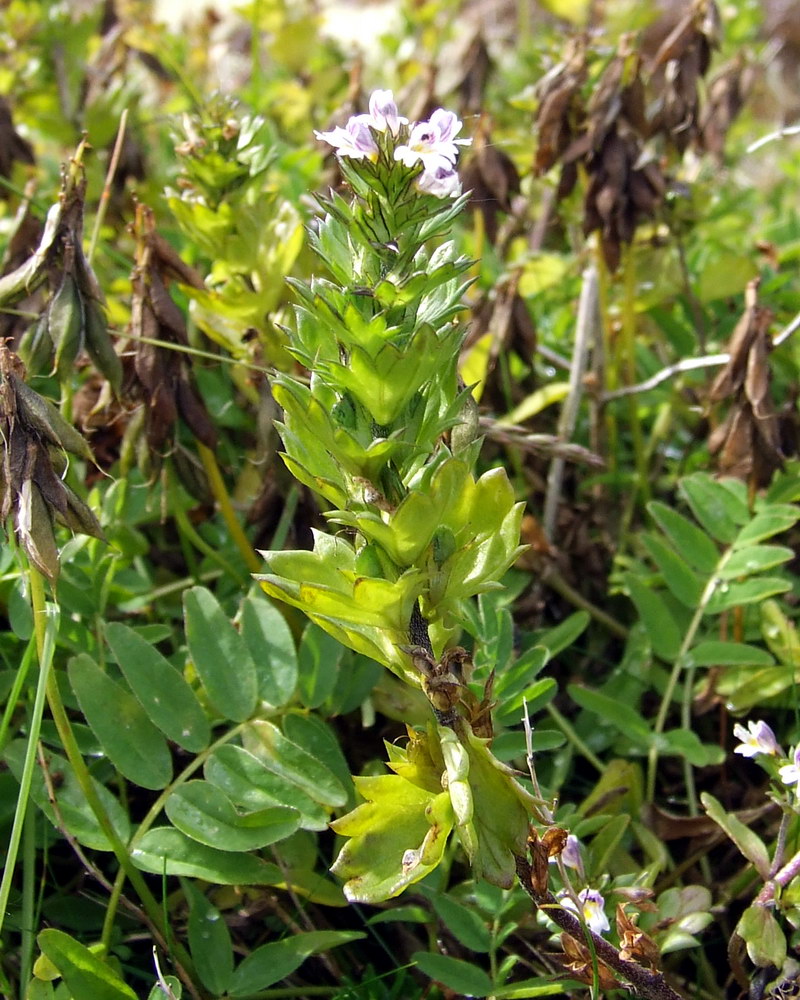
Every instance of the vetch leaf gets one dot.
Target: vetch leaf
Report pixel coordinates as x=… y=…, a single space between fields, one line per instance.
x=463 y=977
x=682 y=582
x=714 y=653
x=463 y=923
x=623 y=717
x=318 y=665
x=161 y=691
x=753 y=591
x=164 y=850
x=748 y=842
x=690 y=542
x=84 y=973
x=292 y=762
x=315 y=735
x=662 y=629
x=249 y=783
x=209 y=941
x=755 y=559
x=204 y=813
x=717 y=509
x=129 y=739
x=771 y=520
x=276 y=960
x=272 y=649
x=220 y=656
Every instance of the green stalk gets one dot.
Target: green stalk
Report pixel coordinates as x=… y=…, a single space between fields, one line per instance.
x=677 y=667
x=27 y=910
x=628 y=366
x=220 y=493
x=46 y=634
x=45 y=629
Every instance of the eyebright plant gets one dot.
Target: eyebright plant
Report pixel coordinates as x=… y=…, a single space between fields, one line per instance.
x=385 y=433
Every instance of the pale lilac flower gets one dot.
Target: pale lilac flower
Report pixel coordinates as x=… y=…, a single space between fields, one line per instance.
x=592 y=904
x=790 y=773
x=354 y=140
x=571 y=855
x=432 y=141
x=383 y=112
x=759 y=739
x=441 y=181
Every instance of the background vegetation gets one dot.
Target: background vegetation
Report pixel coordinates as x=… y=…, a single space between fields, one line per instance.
x=181 y=742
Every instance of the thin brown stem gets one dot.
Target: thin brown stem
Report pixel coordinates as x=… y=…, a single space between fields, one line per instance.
x=646 y=983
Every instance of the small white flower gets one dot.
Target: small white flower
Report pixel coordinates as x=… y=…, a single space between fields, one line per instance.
x=441 y=180
x=432 y=141
x=790 y=773
x=592 y=909
x=354 y=140
x=759 y=739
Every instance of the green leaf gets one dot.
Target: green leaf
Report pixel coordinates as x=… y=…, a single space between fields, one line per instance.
x=276 y=960
x=318 y=665
x=297 y=765
x=624 y=718
x=561 y=636
x=220 y=656
x=682 y=582
x=272 y=649
x=715 y=653
x=771 y=520
x=606 y=841
x=662 y=629
x=129 y=739
x=718 y=510
x=685 y=743
x=73 y=810
x=204 y=813
x=780 y=633
x=209 y=941
x=690 y=542
x=316 y=736
x=729 y=595
x=463 y=977
x=766 y=942
x=166 y=851
x=465 y=924
x=748 y=842
x=83 y=972
x=251 y=784
x=162 y=692
x=754 y=559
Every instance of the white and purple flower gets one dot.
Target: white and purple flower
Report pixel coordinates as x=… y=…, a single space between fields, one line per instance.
x=433 y=141
x=592 y=909
x=354 y=140
x=757 y=738
x=790 y=773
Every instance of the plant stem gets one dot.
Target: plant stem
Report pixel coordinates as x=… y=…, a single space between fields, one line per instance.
x=220 y=492
x=568 y=730
x=677 y=667
x=45 y=644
